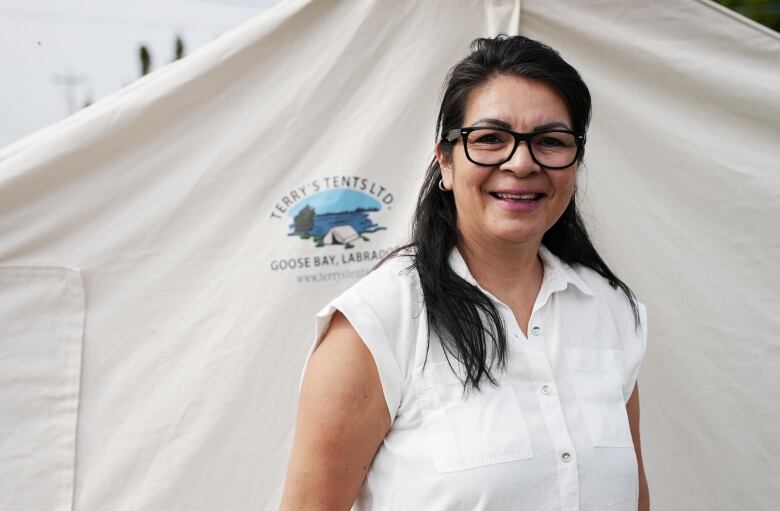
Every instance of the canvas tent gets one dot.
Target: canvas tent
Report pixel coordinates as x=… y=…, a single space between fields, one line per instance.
x=340 y=234
x=153 y=305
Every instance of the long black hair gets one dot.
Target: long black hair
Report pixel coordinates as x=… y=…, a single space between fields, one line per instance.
x=465 y=320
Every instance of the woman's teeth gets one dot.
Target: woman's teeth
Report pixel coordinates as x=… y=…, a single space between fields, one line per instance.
x=515 y=196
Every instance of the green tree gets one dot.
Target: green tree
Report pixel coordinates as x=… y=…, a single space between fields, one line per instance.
x=766 y=12
x=179 y=48
x=304 y=220
x=146 y=60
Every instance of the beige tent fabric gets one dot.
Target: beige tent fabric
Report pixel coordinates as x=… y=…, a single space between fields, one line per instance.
x=181 y=202
x=683 y=187
x=42 y=318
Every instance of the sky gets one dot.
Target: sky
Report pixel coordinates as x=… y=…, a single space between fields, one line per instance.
x=59 y=55
x=337 y=201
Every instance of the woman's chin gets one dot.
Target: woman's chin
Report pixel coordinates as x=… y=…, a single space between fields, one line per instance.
x=518 y=236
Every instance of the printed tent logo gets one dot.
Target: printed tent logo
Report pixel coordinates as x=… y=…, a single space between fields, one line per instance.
x=335 y=217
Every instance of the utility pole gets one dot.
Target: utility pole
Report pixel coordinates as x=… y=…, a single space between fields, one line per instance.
x=69 y=81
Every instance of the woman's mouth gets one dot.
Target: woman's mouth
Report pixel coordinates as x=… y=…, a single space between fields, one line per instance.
x=517 y=197
x=517 y=202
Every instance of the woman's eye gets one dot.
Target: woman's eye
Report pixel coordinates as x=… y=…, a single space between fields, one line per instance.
x=549 y=142
x=489 y=138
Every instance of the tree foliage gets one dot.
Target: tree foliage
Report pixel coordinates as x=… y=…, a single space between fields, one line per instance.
x=304 y=220
x=146 y=60
x=179 y=49
x=766 y=12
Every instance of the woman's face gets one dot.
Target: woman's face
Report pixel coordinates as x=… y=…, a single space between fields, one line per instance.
x=488 y=210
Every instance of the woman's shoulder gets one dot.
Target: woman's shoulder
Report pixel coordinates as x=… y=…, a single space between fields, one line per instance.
x=613 y=297
x=385 y=309
x=390 y=289
x=630 y=321
x=395 y=275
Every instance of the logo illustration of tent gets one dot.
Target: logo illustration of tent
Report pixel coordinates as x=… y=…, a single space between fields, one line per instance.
x=340 y=235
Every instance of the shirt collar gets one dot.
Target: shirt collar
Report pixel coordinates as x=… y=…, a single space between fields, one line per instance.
x=557 y=275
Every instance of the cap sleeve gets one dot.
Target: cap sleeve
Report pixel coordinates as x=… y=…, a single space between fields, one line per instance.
x=634 y=346
x=366 y=322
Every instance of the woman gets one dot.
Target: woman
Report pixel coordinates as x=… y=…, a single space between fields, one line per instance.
x=490 y=364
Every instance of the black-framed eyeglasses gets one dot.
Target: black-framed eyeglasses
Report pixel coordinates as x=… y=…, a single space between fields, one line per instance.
x=551 y=149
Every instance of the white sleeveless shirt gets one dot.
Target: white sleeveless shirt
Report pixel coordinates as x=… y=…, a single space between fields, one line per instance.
x=553 y=435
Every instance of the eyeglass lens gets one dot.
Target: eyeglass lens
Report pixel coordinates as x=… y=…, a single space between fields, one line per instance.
x=550 y=149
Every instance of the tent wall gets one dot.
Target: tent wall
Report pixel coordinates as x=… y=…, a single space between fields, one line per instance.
x=683 y=192
x=170 y=209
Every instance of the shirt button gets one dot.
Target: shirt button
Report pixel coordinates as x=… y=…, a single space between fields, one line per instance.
x=536 y=330
x=566 y=457
x=546 y=390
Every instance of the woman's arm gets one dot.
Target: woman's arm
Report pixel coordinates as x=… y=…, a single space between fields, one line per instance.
x=632 y=407
x=342 y=420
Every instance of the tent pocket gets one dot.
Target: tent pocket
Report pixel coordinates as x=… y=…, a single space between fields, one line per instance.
x=41 y=330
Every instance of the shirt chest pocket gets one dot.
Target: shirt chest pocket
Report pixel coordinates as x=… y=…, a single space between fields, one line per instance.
x=598 y=383
x=470 y=430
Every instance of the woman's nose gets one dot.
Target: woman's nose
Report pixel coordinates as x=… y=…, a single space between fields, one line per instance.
x=521 y=163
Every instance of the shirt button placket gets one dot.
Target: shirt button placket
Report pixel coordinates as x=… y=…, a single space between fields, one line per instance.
x=568 y=476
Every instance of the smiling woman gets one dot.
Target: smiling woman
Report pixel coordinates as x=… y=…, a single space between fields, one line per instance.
x=519 y=202
x=491 y=363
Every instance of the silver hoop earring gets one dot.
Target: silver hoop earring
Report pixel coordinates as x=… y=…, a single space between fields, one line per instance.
x=441 y=185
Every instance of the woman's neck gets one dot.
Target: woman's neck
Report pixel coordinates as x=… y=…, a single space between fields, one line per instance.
x=512 y=273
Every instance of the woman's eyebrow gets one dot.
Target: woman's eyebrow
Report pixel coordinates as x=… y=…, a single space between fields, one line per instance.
x=503 y=124
x=550 y=126
x=494 y=122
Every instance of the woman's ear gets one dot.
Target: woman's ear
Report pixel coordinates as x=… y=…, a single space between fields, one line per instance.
x=445 y=164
